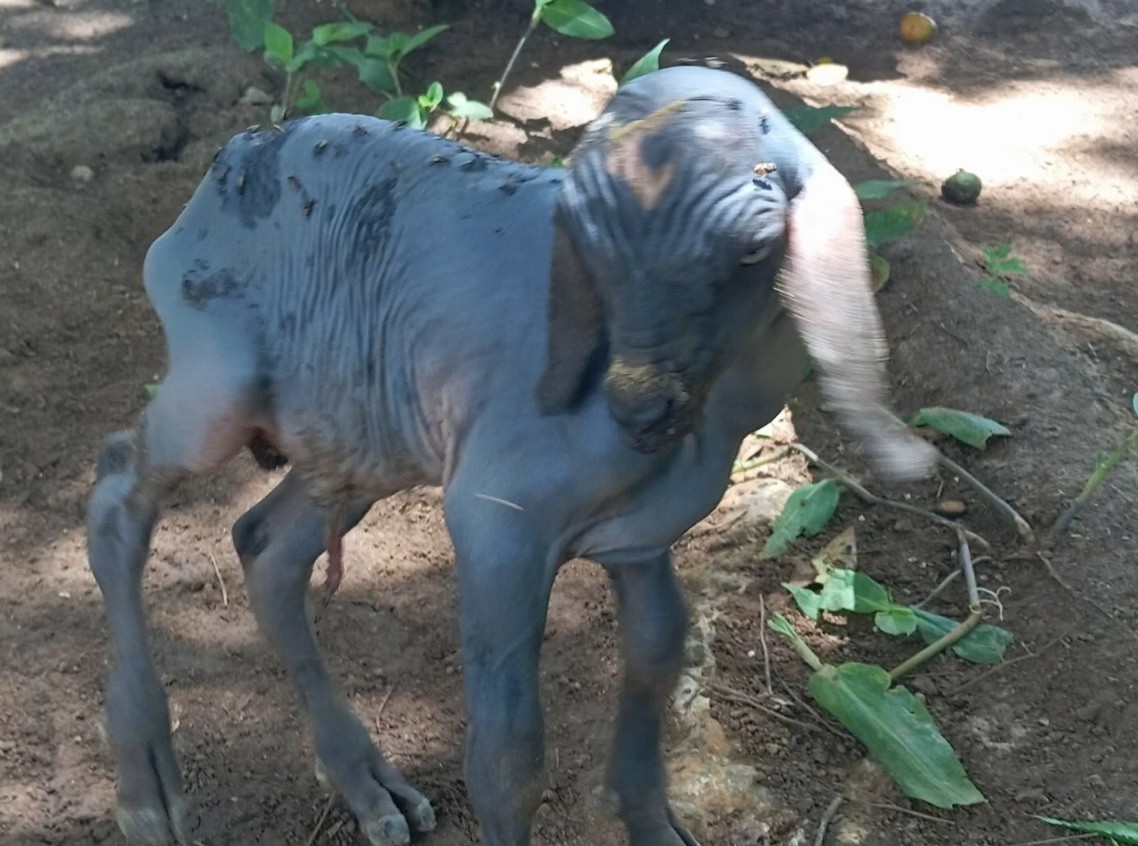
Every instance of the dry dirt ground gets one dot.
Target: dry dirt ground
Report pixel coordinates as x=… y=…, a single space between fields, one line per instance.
x=1035 y=95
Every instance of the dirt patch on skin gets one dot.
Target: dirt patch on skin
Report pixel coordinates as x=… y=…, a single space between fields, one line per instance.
x=110 y=114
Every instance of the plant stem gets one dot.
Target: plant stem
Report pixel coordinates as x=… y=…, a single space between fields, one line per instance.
x=744 y=466
x=533 y=22
x=393 y=68
x=1023 y=528
x=1102 y=470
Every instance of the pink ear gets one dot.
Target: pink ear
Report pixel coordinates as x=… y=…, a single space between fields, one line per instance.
x=827 y=289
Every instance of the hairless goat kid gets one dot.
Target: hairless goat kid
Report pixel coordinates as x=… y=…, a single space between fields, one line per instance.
x=574 y=355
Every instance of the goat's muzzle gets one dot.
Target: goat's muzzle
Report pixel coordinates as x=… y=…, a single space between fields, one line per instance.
x=651 y=405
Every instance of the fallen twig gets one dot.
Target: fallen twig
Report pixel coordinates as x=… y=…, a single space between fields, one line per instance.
x=744 y=466
x=910 y=812
x=320 y=822
x=1103 y=469
x=824 y=823
x=1076 y=595
x=220 y=580
x=763 y=643
x=1000 y=667
x=730 y=694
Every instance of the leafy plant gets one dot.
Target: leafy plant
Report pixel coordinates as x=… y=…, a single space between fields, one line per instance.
x=1123 y=833
x=966 y=427
x=884 y=225
x=879 y=189
x=1000 y=264
x=807 y=119
x=646 y=64
x=892 y=723
x=806 y=512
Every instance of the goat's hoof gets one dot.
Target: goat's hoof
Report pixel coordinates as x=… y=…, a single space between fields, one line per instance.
x=153 y=827
x=389 y=810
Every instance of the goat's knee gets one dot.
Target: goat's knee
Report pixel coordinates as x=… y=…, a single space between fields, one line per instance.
x=249 y=537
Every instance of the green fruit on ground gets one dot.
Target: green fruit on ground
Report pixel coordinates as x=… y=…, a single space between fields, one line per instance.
x=962 y=188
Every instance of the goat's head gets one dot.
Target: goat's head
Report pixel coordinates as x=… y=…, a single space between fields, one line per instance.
x=670 y=233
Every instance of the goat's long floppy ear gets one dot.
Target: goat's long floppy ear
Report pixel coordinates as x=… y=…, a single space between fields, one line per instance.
x=826 y=287
x=575 y=332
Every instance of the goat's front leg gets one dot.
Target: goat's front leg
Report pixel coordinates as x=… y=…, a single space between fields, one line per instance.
x=278 y=541
x=505 y=577
x=654 y=623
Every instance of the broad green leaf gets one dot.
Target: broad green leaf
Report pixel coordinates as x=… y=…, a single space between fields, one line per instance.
x=898 y=731
x=309 y=97
x=809 y=602
x=647 y=63
x=1125 y=833
x=889 y=224
x=463 y=107
x=372 y=72
x=807 y=119
x=849 y=590
x=432 y=98
x=805 y=513
x=405 y=109
x=983 y=645
x=421 y=37
x=377 y=45
x=876 y=189
x=247 y=19
x=997 y=286
x=998 y=259
x=341 y=31
x=879 y=270
x=972 y=429
x=576 y=19
x=278 y=42
x=896 y=620
x=1134 y=404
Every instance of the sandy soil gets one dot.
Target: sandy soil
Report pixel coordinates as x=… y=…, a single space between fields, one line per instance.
x=1036 y=97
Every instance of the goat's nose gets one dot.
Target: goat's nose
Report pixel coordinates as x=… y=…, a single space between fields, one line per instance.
x=639 y=414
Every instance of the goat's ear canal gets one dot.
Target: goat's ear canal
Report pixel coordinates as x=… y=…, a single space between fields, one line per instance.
x=576 y=338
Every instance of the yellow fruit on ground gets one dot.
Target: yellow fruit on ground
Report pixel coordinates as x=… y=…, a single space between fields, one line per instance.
x=917 y=28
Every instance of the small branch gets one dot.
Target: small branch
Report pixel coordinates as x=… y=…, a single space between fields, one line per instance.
x=220 y=580
x=744 y=466
x=975 y=615
x=939 y=589
x=763 y=643
x=873 y=499
x=1022 y=527
x=323 y=817
x=827 y=817
x=1103 y=469
x=1001 y=667
x=740 y=698
x=910 y=812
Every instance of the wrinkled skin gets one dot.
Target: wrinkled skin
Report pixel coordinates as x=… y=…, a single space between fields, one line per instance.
x=574 y=356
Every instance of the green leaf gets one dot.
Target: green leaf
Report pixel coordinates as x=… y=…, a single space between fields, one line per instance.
x=309 y=97
x=877 y=189
x=898 y=731
x=879 y=270
x=997 y=259
x=1134 y=404
x=884 y=225
x=247 y=19
x=421 y=37
x=406 y=109
x=779 y=623
x=376 y=75
x=377 y=45
x=647 y=63
x=575 y=18
x=805 y=513
x=972 y=429
x=983 y=645
x=431 y=99
x=807 y=119
x=1125 y=833
x=462 y=107
x=151 y=390
x=850 y=590
x=997 y=286
x=341 y=31
x=278 y=43
x=897 y=620
x=809 y=602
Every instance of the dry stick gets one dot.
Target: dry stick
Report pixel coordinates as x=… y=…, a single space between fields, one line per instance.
x=1076 y=595
x=1023 y=528
x=1001 y=667
x=824 y=823
x=811 y=711
x=744 y=466
x=889 y=807
x=763 y=643
x=873 y=499
x=220 y=581
x=320 y=822
x=1103 y=469
x=939 y=589
x=740 y=698
x=975 y=615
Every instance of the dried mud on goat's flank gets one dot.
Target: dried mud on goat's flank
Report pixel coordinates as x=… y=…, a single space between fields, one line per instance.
x=101 y=147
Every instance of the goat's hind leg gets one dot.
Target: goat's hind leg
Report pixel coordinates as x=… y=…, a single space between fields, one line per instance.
x=278 y=541
x=176 y=435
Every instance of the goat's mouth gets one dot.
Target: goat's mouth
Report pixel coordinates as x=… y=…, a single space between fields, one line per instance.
x=652 y=407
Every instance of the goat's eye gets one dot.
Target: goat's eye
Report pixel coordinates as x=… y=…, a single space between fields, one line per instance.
x=756 y=255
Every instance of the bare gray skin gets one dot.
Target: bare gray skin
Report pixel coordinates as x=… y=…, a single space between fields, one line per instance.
x=573 y=355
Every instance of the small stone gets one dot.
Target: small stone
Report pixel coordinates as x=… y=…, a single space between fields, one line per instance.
x=82 y=174
x=254 y=96
x=950 y=508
